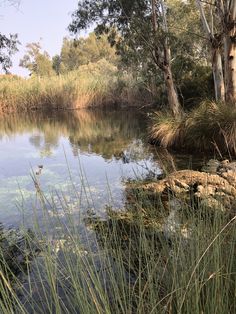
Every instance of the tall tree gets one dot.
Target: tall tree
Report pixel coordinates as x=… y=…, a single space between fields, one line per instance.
x=227 y=12
x=75 y=53
x=8 y=45
x=214 y=35
x=37 y=61
x=141 y=25
x=221 y=32
x=56 y=64
x=162 y=56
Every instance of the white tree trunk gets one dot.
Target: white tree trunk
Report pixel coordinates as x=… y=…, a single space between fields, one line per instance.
x=215 y=45
x=218 y=76
x=172 y=95
x=230 y=54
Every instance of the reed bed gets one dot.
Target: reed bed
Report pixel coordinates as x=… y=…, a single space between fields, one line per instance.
x=93 y=85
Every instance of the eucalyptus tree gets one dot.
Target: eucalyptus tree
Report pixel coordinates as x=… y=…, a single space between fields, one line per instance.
x=227 y=12
x=136 y=27
x=219 y=21
x=8 y=44
x=75 y=53
x=38 y=62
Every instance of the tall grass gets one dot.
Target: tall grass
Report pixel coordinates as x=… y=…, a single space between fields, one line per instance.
x=95 y=84
x=210 y=126
x=135 y=261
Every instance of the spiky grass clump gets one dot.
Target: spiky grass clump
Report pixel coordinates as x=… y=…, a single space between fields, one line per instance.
x=212 y=125
x=207 y=127
x=166 y=129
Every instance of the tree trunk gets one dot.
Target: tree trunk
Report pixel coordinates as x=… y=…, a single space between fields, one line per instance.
x=218 y=76
x=171 y=92
x=230 y=66
x=162 y=59
x=215 y=46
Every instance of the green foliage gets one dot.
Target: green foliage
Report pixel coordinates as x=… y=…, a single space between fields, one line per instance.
x=8 y=46
x=136 y=41
x=195 y=82
x=75 y=53
x=36 y=61
x=56 y=64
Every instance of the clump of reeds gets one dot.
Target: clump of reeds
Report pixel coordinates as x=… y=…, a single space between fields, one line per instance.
x=92 y=85
x=166 y=129
x=207 y=127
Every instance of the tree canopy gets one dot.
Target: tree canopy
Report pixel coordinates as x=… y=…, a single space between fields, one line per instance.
x=35 y=60
x=75 y=53
x=145 y=33
x=8 y=46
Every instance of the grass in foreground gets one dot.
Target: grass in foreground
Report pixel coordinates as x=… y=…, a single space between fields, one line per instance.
x=144 y=260
x=210 y=126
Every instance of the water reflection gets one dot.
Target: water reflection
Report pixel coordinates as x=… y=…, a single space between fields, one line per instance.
x=86 y=155
x=98 y=148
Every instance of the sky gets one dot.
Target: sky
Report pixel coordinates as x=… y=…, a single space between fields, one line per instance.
x=35 y=19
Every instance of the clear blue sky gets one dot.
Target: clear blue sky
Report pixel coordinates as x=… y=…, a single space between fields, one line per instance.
x=35 y=19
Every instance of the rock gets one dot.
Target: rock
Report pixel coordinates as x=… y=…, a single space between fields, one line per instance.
x=216 y=190
x=211 y=166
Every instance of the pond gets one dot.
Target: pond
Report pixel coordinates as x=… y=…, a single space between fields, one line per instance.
x=76 y=164
x=84 y=157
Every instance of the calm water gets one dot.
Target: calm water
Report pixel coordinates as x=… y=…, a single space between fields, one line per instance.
x=86 y=157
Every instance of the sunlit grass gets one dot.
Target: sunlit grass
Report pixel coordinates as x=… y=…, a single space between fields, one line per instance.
x=210 y=126
x=93 y=85
x=79 y=89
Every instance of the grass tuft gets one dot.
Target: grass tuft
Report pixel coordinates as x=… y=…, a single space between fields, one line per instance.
x=210 y=126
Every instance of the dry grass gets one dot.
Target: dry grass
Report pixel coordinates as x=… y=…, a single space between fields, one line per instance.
x=167 y=130
x=92 y=85
x=207 y=127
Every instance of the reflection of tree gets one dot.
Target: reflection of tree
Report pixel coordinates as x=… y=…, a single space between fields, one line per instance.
x=44 y=142
x=36 y=140
x=108 y=133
